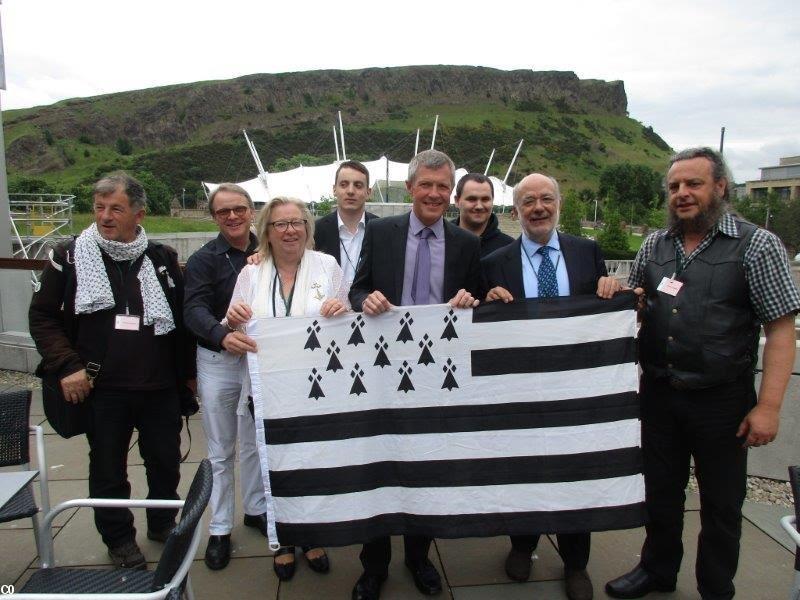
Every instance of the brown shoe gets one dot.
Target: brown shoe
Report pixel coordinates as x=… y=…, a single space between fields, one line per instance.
x=518 y=565
x=579 y=585
x=127 y=556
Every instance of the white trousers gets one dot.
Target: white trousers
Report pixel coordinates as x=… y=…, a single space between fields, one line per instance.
x=219 y=386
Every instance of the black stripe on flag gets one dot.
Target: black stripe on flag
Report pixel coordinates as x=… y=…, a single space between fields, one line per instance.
x=459 y=526
x=585 y=466
x=549 y=359
x=553 y=308
x=453 y=419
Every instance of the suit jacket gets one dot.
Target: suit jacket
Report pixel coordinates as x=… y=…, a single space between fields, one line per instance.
x=582 y=257
x=326 y=234
x=383 y=261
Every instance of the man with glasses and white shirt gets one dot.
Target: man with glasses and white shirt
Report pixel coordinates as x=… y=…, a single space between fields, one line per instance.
x=211 y=274
x=341 y=233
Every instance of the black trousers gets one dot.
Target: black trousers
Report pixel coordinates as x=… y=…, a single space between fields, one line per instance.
x=115 y=414
x=677 y=425
x=376 y=554
x=573 y=547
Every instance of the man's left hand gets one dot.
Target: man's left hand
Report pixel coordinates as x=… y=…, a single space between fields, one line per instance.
x=607 y=287
x=759 y=427
x=192 y=385
x=463 y=299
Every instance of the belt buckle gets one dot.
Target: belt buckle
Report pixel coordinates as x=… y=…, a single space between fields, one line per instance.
x=92 y=371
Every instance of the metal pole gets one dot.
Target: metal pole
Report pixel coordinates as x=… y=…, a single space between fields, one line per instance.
x=721 y=140
x=341 y=133
x=595 y=212
x=488 y=164
x=416 y=144
x=336 y=144
x=5 y=209
x=387 y=178
x=513 y=160
x=435 y=126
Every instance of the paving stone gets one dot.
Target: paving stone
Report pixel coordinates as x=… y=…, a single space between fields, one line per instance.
x=475 y=561
x=17 y=552
x=66 y=459
x=552 y=590
x=766 y=517
x=243 y=578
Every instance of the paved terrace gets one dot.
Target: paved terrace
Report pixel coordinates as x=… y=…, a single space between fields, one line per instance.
x=472 y=568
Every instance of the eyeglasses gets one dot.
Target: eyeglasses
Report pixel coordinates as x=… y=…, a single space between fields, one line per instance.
x=283 y=226
x=239 y=211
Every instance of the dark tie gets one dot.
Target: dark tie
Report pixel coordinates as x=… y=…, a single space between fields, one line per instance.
x=548 y=284
x=421 y=288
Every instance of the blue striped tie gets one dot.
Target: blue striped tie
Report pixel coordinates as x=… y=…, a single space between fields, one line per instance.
x=548 y=284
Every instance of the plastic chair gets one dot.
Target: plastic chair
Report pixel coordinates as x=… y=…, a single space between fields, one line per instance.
x=789 y=523
x=15 y=409
x=170 y=577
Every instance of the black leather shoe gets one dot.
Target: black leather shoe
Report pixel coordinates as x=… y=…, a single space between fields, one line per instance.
x=368 y=587
x=636 y=584
x=426 y=577
x=258 y=522
x=321 y=564
x=284 y=571
x=518 y=565
x=218 y=552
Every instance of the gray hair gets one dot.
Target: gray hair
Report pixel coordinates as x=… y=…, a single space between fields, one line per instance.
x=431 y=159
x=553 y=180
x=719 y=169
x=229 y=187
x=265 y=216
x=133 y=189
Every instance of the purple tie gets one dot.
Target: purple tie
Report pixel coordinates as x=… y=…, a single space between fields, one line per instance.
x=421 y=288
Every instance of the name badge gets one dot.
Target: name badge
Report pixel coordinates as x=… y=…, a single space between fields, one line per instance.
x=127 y=322
x=670 y=286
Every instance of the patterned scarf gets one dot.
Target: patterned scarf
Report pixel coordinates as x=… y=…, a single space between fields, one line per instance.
x=94 y=289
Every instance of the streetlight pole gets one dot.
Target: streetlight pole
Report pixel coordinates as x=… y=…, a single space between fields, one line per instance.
x=595 y=212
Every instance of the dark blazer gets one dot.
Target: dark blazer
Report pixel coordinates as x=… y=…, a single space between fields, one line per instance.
x=383 y=258
x=582 y=257
x=326 y=234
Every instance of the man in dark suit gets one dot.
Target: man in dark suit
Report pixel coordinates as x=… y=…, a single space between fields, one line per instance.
x=474 y=198
x=546 y=263
x=416 y=258
x=341 y=233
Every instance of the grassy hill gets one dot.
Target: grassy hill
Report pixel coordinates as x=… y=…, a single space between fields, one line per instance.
x=187 y=133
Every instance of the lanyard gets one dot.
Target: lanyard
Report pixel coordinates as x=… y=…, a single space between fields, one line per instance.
x=346 y=253
x=230 y=262
x=122 y=279
x=680 y=264
x=287 y=304
x=535 y=274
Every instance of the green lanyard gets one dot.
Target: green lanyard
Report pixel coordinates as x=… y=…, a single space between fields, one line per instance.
x=680 y=265
x=287 y=304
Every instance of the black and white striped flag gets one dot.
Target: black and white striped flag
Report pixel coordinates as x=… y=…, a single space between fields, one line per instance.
x=506 y=419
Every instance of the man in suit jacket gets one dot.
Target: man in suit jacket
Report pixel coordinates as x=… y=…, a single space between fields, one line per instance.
x=474 y=198
x=341 y=233
x=416 y=258
x=542 y=263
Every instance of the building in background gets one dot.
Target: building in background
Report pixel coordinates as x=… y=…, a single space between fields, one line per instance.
x=783 y=179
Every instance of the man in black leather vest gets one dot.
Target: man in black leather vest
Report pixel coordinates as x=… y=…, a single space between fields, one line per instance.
x=708 y=282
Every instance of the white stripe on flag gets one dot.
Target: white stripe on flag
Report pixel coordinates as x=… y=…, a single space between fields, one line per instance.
x=466 y=500
x=467 y=445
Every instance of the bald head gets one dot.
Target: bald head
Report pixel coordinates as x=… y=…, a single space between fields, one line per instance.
x=537 y=202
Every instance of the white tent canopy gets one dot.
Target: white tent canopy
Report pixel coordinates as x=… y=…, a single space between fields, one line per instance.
x=312 y=184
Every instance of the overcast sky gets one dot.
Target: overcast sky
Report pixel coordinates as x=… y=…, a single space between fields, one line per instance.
x=689 y=67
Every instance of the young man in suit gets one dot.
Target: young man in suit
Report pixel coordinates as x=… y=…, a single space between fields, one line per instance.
x=474 y=198
x=341 y=233
x=545 y=263
x=416 y=258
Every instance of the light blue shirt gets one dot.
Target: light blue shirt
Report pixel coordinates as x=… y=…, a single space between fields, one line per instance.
x=436 y=244
x=530 y=268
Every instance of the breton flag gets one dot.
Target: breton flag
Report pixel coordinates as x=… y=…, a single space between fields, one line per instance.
x=507 y=419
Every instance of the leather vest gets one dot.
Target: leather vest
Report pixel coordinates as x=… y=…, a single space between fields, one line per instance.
x=707 y=334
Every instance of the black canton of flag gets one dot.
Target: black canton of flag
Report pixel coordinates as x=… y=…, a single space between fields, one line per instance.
x=405 y=333
x=316 y=390
x=312 y=342
x=358 y=386
x=449 y=331
x=425 y=357
x=381 y=360
x=405 y=381
x=356 y=338
x=333 y=363
x=449 y=379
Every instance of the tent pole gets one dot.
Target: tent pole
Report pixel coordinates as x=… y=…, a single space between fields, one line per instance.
x=488 y=164
x=435 y=127
x=336 y=144
x=513 y=160
x=387 y=178
x=341 y=132
x=416 y=144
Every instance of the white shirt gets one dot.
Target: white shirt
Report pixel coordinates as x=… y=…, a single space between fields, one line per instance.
x=531 y=261
x=350 y=247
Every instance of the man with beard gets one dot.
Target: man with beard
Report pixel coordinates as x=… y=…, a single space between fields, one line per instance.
x=709 y=282
x=474 y=197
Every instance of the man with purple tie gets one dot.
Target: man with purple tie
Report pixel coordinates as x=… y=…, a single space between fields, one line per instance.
x=416 y=258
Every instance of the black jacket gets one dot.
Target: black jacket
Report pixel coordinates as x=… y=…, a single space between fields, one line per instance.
x=492 y=238
x=326 y=234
